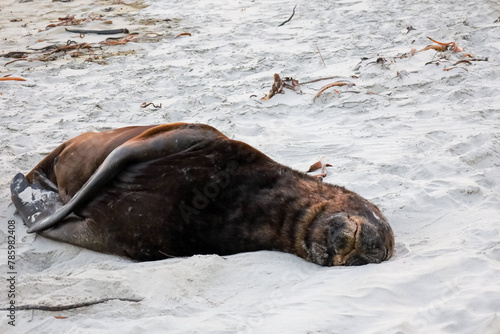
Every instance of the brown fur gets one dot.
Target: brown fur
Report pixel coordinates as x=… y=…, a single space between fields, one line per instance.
x=183 y=189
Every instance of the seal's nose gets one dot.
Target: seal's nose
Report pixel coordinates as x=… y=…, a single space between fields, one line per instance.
x=362 y=240
x=374 y=241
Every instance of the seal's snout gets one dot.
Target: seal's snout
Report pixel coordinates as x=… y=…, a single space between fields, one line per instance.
x=358 y=240
x=374 y=243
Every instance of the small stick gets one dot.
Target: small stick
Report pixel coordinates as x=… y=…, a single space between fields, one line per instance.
x=478 y=59
x=316 y=80
x=321 y=56
x=13 y=61
x=336 y=83
x=289 y=18
x=71 y=306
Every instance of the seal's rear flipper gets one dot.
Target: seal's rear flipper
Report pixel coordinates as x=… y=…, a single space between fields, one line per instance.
x=33 y=201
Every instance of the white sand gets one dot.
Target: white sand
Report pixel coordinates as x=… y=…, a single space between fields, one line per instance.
x=424 y=146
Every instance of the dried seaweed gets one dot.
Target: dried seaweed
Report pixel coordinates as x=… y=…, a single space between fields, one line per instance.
x=330 y=85
x=277 y=87
x=442 y=47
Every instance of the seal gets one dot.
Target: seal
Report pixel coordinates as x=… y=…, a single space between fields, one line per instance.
x=153 y=192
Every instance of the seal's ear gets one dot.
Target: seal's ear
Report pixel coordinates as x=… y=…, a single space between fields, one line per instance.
x=34 y=202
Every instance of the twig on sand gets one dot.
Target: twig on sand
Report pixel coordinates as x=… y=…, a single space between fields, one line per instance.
x=13 y=61
x=323 y=60
x=72 y=306
x=476 y=59
x=334 y=84
x=289 y=18
x=316 y=80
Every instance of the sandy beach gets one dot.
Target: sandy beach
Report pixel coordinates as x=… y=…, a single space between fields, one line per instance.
x=415 y=131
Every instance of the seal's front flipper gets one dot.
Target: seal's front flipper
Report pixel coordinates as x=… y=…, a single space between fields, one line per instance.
x=33 y=201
